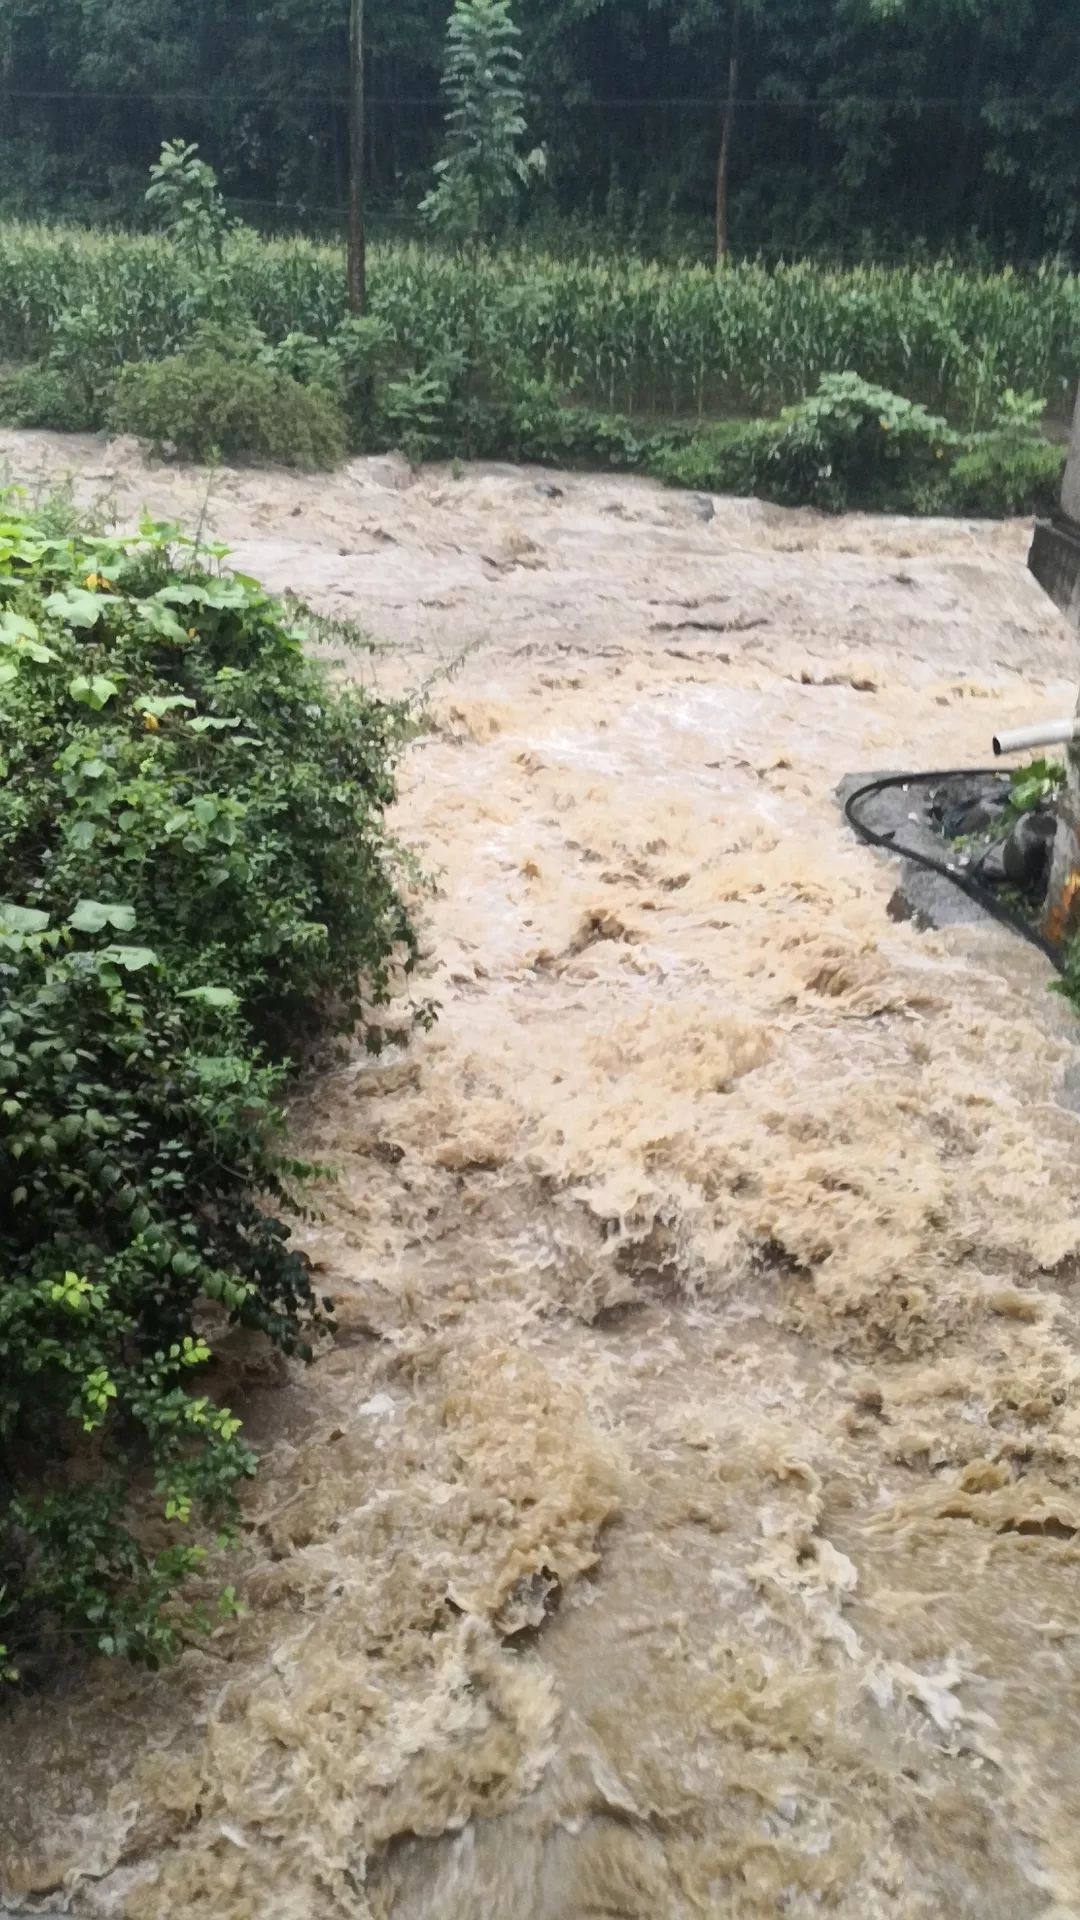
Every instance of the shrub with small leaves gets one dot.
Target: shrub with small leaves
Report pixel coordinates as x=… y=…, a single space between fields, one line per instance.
x=204 y=403
x=1010 y=469
x=46 y=396
x=194 y=871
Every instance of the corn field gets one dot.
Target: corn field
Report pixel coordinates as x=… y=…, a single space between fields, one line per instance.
x=633 y=337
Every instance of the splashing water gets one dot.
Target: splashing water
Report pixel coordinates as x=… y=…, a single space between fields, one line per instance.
x=685 y=1523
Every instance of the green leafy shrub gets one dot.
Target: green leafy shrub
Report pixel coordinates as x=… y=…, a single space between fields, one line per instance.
x=537 y=424
x=84 y=350
x=1010 y=469
x=854 y=444
x=1034 y=786
x=1000 y=476
x=417 y=414
x=202 y=403
x=850 y=444
x=310 y=362
x=362 y=347
x=729 y=458
x=193 y=870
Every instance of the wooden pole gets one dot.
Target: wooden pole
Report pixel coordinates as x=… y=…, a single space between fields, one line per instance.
x=357 y=162
x=723 y=163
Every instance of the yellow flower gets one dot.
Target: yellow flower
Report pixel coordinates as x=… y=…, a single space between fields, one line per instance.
x=193 y=633
x=151 y=723
x=97 y=583
x=885 y=426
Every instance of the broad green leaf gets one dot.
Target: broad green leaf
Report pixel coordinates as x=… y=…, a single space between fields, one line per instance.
x=22 y=635
x=158 y=708
x=210 y=725
x=78 y=607
x=15 y=626
x=22 y=919
x=159 y=621
x=227 y=595
x=211 y=996
x=93 y=690
x=131 y=959
x=93 y=916
x=183 y=596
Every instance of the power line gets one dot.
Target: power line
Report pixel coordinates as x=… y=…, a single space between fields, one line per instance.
x=201 y=97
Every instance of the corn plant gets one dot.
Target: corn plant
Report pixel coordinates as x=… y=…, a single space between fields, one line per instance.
x=648 y=340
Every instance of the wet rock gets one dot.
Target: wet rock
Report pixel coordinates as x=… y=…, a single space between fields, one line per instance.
x=979 y=816
x=903 y=813
x=390 y=471
x=547 y=490
x=702 y=508
x=963 y=808
x=990 y=870
x=1027 y=850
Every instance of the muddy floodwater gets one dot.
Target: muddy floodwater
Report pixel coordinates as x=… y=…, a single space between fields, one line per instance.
x=686 y=1522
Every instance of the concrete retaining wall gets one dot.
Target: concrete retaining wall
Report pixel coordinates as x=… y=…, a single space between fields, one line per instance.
x=1070 y=497
x=1055 y=562
x=1055 y=550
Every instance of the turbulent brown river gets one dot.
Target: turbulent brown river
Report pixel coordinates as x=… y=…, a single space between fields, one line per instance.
x=686 y=1521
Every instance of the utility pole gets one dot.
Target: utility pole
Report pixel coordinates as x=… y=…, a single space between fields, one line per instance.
x=357 y=162
x=723 y=164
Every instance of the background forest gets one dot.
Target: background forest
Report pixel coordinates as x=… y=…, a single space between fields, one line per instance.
x=863 y=128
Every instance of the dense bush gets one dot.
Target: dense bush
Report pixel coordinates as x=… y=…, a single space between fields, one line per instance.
x=201 y=403
x=193 y=868
x=854 y=444
x=46 y=396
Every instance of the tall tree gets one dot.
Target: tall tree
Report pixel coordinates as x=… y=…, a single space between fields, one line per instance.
x=482 y=168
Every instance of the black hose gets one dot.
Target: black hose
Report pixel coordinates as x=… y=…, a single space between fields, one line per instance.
x=982 y=895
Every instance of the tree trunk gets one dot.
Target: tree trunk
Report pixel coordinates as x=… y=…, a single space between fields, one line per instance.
x=357 y=162
x=723 y=163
